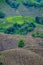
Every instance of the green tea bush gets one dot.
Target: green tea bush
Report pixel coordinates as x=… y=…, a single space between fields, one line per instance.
x=21 y=43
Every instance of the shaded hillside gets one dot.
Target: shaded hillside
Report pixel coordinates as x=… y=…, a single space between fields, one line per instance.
x=20 y=57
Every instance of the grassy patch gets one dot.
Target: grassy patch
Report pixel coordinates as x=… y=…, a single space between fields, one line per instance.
x=20 y=19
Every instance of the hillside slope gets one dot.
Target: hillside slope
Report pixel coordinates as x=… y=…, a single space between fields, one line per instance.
x=4 y=7
x=11 y=41
x=21 y=10
x=20 y=57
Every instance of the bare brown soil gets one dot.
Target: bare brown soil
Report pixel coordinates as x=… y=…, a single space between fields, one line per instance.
x=20 y=57
x=11 y=41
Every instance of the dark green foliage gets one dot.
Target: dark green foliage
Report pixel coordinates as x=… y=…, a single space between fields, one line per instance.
x=2 y=15
x=1 y=63
x=10 y=30
x=39 y=20
x=13 y=3
x=31 y=4
x=21 y=43
x=37 y=34
x=27 y=4
x=21 y=29
x=38 y=0
x=17 y=26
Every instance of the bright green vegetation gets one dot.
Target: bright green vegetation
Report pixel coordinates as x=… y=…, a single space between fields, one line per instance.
x=18 y=25
x=38 y=34
x=20 y=19
x=15 y=19
x=21 y=43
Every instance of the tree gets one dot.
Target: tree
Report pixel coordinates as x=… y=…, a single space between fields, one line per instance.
x=21 y=43
x=37 y=19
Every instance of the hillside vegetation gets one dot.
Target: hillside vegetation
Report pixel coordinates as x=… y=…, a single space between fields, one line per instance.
x=27 y=3
x=18 y=25
x=21 y=32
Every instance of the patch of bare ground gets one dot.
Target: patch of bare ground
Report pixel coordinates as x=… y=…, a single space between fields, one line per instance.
x=37 y=49
x=20 y=57
x=11 y=41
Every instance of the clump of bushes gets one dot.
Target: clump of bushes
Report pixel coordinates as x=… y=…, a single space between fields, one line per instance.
x=10 y=30
x=20 y=29
x=39 y=20
x=31 y=3
x=37 y=34
x=21 y=43
x=27 y=4
x=13 y=3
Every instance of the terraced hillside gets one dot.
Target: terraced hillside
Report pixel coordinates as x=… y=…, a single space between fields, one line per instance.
x=21 y=19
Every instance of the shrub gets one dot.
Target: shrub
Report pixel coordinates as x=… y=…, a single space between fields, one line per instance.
x=10 y=30
x=37 y=34
x=13 y=4
x=17 y=26
x=1 y=63
x=27 y=4
x=39 y=20
x=21 y=43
